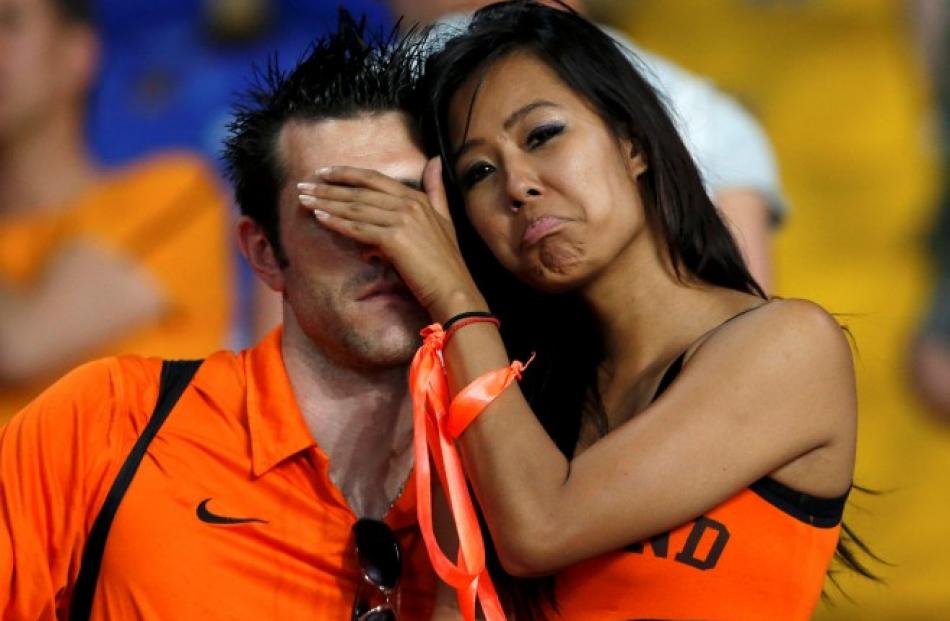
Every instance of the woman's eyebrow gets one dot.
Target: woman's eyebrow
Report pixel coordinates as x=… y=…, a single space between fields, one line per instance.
x=518 y=114
x=513 y=118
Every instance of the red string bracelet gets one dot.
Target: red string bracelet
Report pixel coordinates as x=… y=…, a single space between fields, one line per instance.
x=461 y=323
x=451 y=321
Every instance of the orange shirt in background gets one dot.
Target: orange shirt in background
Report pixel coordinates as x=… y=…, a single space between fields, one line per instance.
x=169 y=216
x=236 y=438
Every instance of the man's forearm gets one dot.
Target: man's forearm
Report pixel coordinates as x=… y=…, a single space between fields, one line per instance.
x=85 y=299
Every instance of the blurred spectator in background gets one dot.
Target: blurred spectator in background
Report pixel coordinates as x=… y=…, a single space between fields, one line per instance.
x=842 y=92
x=92 y=262
x=930 y=354
x=733 y=153
x=169 y=76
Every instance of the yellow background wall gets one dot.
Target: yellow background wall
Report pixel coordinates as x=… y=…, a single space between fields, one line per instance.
x=840 y=90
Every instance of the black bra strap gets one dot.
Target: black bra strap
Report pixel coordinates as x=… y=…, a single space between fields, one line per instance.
x=674 y=369
x=671 y=373
x=814 y=510
x=176 y=375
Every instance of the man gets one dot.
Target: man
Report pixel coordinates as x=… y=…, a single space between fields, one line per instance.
x=733 y=153
x=92 y=263
x=246 y=504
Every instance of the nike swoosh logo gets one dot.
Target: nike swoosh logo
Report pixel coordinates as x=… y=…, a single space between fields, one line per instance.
x=213 y=518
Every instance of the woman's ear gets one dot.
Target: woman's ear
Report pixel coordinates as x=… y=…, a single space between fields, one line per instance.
x=636 y=159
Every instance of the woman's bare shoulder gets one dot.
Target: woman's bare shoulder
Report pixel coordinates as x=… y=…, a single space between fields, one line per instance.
x=789 y=349
x=783 y=327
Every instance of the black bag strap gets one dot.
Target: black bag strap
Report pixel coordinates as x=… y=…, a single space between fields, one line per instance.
x=176 y=375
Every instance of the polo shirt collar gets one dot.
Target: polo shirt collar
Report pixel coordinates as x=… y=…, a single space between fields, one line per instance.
x=278 y=430
x=277 y=426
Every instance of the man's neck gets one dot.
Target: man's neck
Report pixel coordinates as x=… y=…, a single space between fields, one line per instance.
x=44 y=165
x=361 y=419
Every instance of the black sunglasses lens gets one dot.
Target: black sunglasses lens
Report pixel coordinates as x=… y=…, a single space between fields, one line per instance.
x=383 y=615
x=378 y=554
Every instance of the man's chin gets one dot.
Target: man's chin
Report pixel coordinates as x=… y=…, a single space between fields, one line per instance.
x=392 y=340
x=385 y=354
x=400 y=337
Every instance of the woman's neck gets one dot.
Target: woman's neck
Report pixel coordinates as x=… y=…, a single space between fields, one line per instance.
x=648 y=314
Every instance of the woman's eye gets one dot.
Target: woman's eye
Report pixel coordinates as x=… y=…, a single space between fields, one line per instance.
x=475 y=173
x=541 y=135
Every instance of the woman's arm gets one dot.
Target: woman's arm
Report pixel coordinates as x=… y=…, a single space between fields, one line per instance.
x=763 y=391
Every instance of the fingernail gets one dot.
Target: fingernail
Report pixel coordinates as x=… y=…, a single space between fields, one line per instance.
x=306 y=199
x=306 y=186
x=326 y=170
x=319 y=214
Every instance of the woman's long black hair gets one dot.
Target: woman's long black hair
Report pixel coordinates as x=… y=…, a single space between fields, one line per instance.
x=678 y=209
x=562 y=385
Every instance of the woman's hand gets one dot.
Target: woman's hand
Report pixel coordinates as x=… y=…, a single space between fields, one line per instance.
x=411 y=228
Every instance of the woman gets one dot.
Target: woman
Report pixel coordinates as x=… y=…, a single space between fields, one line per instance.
x=703 y=437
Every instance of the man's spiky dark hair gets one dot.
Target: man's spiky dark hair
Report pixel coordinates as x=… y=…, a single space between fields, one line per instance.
x=343 y=75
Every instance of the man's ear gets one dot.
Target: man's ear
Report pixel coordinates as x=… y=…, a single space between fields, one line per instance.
x=259 y=253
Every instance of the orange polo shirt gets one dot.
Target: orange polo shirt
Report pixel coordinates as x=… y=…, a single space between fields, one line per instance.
x=236 y=437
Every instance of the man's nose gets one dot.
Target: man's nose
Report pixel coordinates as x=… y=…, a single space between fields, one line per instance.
x=371 y=254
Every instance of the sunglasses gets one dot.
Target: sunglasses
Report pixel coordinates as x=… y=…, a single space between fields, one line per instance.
x=380 y=563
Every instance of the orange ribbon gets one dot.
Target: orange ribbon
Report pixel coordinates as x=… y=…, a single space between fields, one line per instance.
x=474 y=398
x=430 y=405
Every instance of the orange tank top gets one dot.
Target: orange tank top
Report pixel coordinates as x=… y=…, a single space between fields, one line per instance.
x=762 y=554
